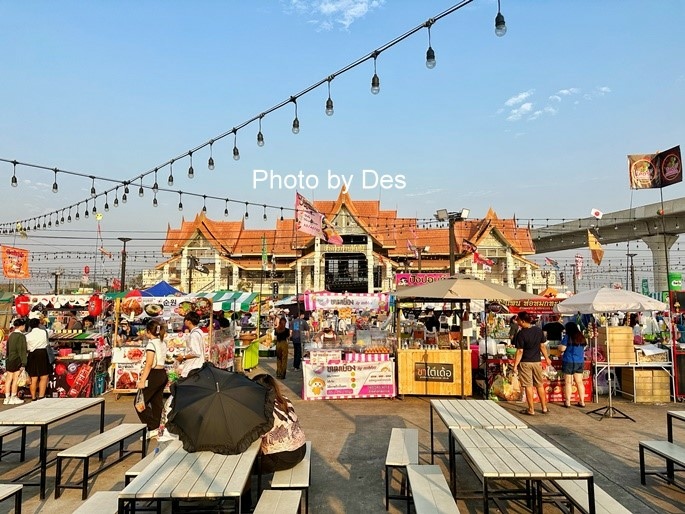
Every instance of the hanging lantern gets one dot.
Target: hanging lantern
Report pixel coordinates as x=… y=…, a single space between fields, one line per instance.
x=95 y=305
x=22 y=304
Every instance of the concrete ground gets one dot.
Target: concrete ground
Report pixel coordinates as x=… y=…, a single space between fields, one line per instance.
x=350 y=440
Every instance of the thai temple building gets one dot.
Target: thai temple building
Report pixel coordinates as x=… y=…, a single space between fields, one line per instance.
x=379 y=251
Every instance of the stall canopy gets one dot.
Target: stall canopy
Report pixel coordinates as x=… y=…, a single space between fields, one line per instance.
x=229 y=300
x=463 y=287
x=608 y=299
x=161 y=289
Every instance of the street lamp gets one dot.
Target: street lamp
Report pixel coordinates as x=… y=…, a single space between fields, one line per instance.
x=123 y=262
x=57 y=274
x=451 y=218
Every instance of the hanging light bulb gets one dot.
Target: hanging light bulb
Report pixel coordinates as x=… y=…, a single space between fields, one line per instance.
x=296 y=122
x=85 y=211
x=116 y=197
x=170 y=180
x=430 y=53
x=180 y=203
x=154 y=200
x=264 y=212
x=500 y=25
x=260 y=136
x=210 y=162
x=375 y=81
x=141 y=191
x=55 y=187
x=106 y=204
x=247 y=214
x=69 y=216
x=15 y=183
x=126 y=188
x=329 y=102
x=281 y=213
x=95 y=209
x=191 y=171
x=236 y=152
x=124 y=197
x=226 y=208
x=204 y=204
x=77 y=214
x=155 y=186
x=93 y=194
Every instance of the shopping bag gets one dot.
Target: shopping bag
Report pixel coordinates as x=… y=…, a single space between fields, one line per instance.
x=139 y=402
x=23 y=379
x=515 y=384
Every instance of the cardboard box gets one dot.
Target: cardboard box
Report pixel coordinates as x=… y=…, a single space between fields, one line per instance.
x=620 y=339
x=650 y=385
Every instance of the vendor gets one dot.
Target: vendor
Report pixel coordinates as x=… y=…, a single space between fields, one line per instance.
x=126 y=333
x=326 y=335
x=89 y=324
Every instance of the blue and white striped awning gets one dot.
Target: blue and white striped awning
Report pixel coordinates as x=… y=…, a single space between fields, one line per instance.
x=230 y=300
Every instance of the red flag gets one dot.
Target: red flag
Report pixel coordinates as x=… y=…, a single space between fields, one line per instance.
x=468 y=246
x=478 y=259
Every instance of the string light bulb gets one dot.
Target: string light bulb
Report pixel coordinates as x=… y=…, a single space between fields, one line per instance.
x=155 y=186
x=296 y=122
x=191 y=170
x=375 y=81
x=329 y=102
x=93 y=194
x=430 y=53
x=180 y=202
x=236 y=152
x=260 y=136
x=154 y=200
x=116 y=197
x=85 y=211
x=210 y=162
x=55 y=187
x=281 y=213
x=77 y=214
x=264 y=212
x=170 y=180
x=247 y=214
x=500 y=25
x=204 y=204
x=106 y=204
x=141 y=191
x=124 y=197
x=69 y=216
x=15 y=183
x=226 y=208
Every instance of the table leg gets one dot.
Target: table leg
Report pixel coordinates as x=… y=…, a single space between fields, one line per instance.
x=431 y=423
x=591 y=493
x=669 y=425
x=102 y=417
x=43 y=458
x=486 y=494
x=452 y=463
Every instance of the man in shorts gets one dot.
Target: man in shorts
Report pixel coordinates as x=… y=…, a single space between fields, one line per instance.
x=530 y=346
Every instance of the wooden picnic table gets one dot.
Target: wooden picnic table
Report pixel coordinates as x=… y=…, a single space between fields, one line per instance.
x=43 y=413
x=499 y=455
x=466 y=415
x=176 y=475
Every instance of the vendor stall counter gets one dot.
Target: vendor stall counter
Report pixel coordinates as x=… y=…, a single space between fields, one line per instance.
x=434 y=372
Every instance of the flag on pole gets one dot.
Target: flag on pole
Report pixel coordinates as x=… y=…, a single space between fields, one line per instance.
x=412 y=248
x=651 y=171
x=579 y=266
x=552 y=262
x=265 y=259
x=597 y=213
x=468 y=246
x=312 y=222
x=479 y=259
x=15 y=262
x=595 y=246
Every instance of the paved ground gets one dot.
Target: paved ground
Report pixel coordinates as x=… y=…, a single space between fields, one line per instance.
x=350 y=440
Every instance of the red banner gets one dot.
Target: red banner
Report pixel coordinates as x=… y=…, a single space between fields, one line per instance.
x=15 y=262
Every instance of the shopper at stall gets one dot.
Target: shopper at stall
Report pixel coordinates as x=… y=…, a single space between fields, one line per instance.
x=37 y=363
x=153 y=378
x=16 y=361
x=513 y=328
x=194 y=356
x=74 y=323
x=573 y=363
x=553 y=331
x=432 y=321
x=127 y=333
x=530 y=346
x=299 y=334
x=281 y=335
x=89 y=324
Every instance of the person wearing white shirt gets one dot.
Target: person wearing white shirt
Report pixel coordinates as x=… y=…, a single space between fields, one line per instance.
x=194 y=356
x=38 y=365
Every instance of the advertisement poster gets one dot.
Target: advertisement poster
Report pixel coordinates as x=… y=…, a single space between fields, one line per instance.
x=71 y=380
x=417 y=279
x=339 y=379
x=15 y=262
x=354 y=301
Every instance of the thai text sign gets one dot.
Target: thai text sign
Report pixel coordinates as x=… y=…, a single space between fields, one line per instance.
x=433 y=372
x=417 y=279
x=354 y=301
x=338 y=379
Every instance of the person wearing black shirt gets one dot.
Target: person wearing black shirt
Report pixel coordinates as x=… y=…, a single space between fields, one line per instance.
x=432 y=322
x=553 y=330
x=530 y=346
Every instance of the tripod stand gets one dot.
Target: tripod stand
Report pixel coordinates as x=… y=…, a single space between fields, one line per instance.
x=609 y=411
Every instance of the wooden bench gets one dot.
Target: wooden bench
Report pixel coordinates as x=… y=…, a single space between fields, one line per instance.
x=576 y=492
x=403 y=449
x=429 y=490
x=672 y=453
x=138 y=467
x=297 y=477
x=8 y=430
x=102 y=502
x=98 y=444
x=279 y=502
x=8 y=490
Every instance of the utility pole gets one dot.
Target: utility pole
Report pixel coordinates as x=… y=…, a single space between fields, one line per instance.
x=57 y=275
x=632 y=271
x=123 y=262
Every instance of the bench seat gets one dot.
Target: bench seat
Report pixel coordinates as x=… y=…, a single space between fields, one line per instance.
x=102 y=502
x=403 y=449
x=9 y=430
x=672 y=453
x=297 y=477
x=8 y=490
x=97 y=444
x=279 y=502
x=429 y=490
x=576 y=492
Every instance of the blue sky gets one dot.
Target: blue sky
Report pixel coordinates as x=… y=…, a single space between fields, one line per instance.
x=535 y=124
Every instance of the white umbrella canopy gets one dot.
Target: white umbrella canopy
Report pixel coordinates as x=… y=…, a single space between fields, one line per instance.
x=464 y=287
x=608 y=299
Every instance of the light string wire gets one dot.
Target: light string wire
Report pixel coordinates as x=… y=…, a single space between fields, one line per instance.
x=233 y=131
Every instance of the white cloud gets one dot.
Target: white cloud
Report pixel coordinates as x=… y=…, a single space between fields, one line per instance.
x=534 y=116
x=517 y=114
x=424 y=193
x=555 y=98
x=569 y=91
x=604 y=89
x=517 y=99
x=326 y=14
x=551 y=110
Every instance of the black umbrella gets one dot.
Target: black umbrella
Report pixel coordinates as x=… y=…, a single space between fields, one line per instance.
x=219 y=411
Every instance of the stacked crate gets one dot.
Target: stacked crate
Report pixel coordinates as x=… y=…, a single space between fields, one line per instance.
x=620 y=339
x=650 y=385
